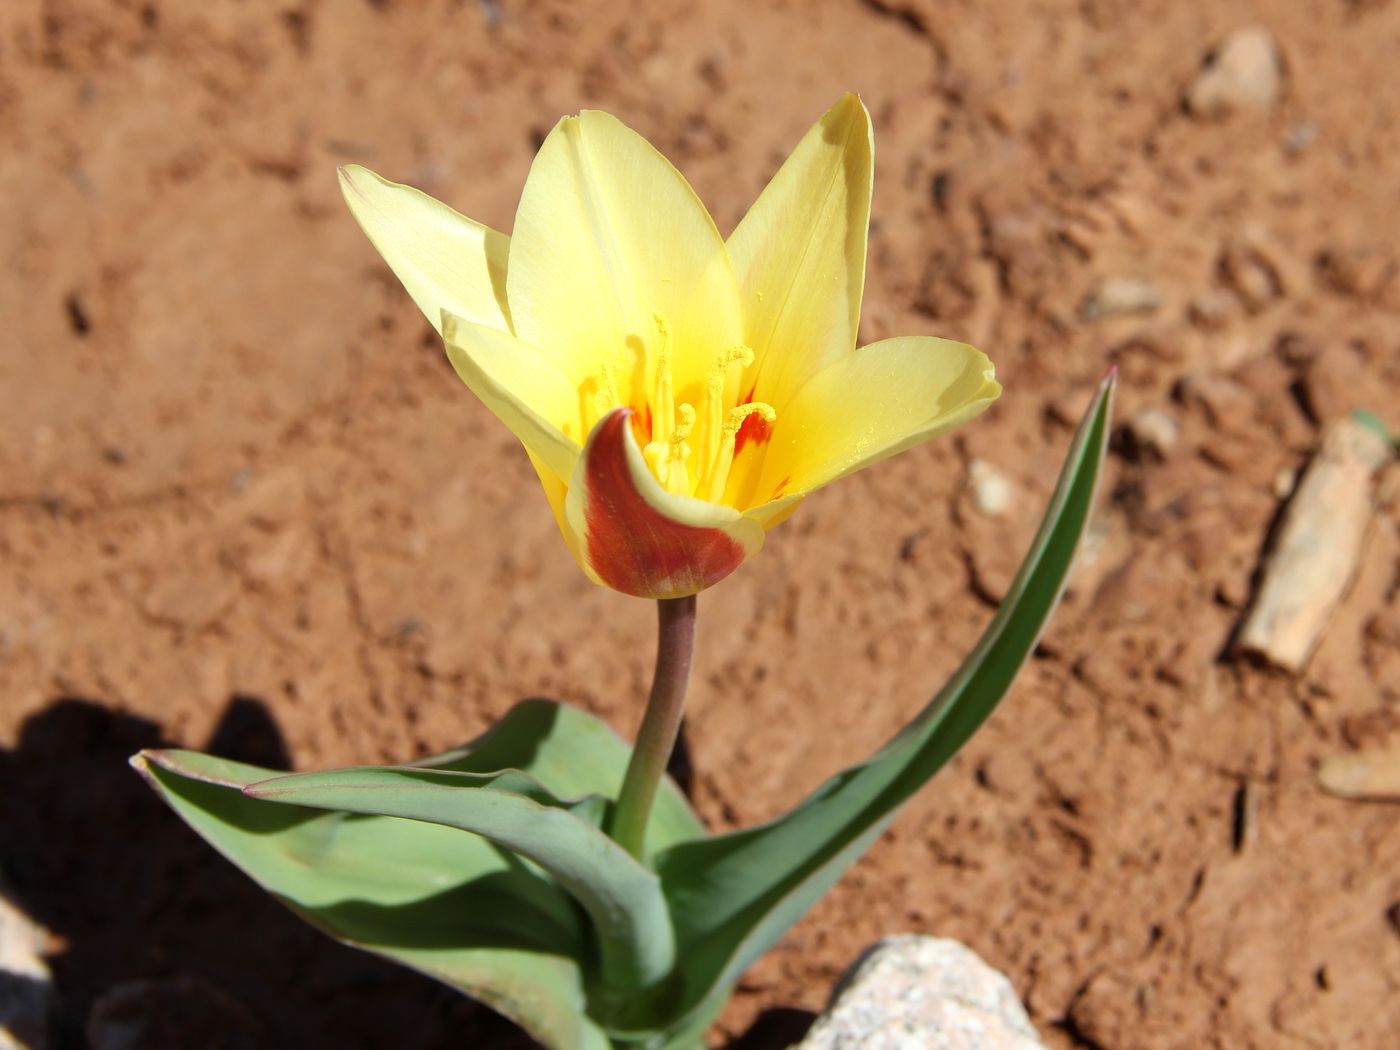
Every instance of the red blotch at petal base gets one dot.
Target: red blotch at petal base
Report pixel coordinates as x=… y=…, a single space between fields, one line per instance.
x=631 y=545
x=755 y=429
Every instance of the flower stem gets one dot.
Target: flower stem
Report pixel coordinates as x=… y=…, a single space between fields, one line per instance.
x=656 y=738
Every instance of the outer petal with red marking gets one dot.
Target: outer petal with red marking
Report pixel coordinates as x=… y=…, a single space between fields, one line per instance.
x=632 y=535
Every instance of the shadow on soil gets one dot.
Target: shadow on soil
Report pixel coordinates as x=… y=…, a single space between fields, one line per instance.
x=130 y=894
x=91 y=853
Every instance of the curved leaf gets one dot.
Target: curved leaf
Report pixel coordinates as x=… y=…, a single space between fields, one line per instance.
x=447 y=904
x=622 y=897
x=734 y=895
x=436 y=899
x=573 y=754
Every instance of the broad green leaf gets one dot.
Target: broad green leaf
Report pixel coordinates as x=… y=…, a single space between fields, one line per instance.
x=574 y=755
x=733 y=896
x=437 y=900
x=623 y=898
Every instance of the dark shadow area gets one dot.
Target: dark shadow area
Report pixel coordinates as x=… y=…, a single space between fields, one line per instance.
x=131 y=893
x=247 y=733
x=775 y=1029
x=679 y=767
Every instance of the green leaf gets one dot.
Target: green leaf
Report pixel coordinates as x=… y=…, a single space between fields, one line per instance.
x=623 y=898
x=574 y=755
x=439 y=901
x=733 y=896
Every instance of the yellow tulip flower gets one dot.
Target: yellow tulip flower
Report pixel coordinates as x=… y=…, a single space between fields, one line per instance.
x=678 y=394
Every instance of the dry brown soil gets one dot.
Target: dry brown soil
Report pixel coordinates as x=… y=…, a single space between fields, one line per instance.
x=244 y=504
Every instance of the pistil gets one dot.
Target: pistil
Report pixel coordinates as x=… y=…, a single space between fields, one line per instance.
x=674 y=428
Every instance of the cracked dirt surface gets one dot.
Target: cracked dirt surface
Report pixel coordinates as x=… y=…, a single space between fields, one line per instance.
x=244 y=503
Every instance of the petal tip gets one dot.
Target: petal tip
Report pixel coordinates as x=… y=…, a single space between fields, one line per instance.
x=851 y=103
x=353 y=178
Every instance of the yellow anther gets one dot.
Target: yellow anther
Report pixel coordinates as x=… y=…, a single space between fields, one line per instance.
x=664 y=403
x=677 y=474
x=685 y=424
x=734 y=419
x=606 y=399
x=733 y=422
x=713 y=404
x=719 y=374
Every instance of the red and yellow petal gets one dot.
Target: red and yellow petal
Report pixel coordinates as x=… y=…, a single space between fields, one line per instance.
x=632 y=535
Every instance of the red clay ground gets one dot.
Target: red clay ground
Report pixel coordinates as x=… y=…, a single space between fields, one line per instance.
x=245 y=504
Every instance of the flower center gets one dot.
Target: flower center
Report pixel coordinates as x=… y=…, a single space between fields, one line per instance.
x=690 y=451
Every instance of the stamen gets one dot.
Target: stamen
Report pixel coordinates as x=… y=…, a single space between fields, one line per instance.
x=658 y=457
x=606 y=399
x=733 y=420
x=664 y=403
x=678 y=477
x=714 y=400
x=667 y=458
x=685 y=424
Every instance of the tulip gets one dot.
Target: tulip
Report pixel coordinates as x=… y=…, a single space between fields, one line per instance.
x=677 y=394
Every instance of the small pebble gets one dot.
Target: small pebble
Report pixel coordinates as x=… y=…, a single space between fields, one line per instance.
x=1155 y=431
x=991 y=489
x=1300 y=136
x=1120 y=295
x=1210 y=310
x=1243 y=72
x=1220 y=397
x=1252 y=276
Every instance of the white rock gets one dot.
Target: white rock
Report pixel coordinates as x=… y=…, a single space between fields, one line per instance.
x=992 y=491
x=26 y=986
x=922 y=993
x=1120 y=295
x=1244 y=71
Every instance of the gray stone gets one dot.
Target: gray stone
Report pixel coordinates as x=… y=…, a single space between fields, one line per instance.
x=922 y=993
x=1243 y=72
x=26 y=987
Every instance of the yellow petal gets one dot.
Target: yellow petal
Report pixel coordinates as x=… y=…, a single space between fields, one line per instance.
x=445 y=260
x=632 y=535
x=524 y=389
x=555 y=489
x=877 y=401
x=800 y=253
x=772 y=514
x=608 y=238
